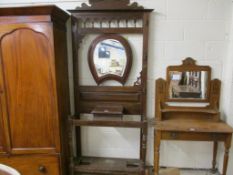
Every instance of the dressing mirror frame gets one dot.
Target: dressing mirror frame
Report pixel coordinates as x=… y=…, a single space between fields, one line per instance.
x=128 y=51
x=189 y=64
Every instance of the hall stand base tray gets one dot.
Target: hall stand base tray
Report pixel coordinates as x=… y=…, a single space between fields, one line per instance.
x=108 y=166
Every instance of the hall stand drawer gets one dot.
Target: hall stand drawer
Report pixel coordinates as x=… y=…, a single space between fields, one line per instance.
x=33 y=165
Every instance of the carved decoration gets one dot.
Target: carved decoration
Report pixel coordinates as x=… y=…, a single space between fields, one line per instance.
x=138 y=82
x=109 y=5
x=189 y=61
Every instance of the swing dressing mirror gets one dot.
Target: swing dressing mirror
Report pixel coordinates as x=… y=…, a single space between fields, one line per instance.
x=188 y=82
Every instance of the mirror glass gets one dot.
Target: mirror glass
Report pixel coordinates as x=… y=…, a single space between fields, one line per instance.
x=188 y=84
x=110 y=58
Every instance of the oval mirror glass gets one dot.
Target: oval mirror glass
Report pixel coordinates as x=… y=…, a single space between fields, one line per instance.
x=110 y=58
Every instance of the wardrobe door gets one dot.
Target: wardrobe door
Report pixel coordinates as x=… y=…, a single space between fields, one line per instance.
x=2 y=108
x=29 y=91
x=1 y=134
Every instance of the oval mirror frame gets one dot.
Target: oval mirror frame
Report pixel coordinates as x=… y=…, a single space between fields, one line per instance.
x=100 y=79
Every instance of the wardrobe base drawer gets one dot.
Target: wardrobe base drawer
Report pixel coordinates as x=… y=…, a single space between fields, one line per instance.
x=33 y=165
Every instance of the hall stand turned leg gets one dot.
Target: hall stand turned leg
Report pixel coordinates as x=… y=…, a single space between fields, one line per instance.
x=144 y=147
x=215 y=150
x=71 y=146
x=227 y=145
x=157 y=140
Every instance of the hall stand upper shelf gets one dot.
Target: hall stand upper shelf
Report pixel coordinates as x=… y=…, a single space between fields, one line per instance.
x=109 y=19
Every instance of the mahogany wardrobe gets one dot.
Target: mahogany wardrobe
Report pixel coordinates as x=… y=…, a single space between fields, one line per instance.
x=34 y=90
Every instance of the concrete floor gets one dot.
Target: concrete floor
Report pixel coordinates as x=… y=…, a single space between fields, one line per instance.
x=196 y=172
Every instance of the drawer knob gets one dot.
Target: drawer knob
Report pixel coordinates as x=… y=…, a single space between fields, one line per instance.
x=42 y=169
x=173 y=135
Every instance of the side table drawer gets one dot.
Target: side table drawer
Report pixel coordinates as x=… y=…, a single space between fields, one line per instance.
x=33 y=165
x=192 y=136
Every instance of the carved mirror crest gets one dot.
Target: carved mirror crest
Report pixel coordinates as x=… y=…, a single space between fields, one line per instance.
x=188 y=82
x=110 y=58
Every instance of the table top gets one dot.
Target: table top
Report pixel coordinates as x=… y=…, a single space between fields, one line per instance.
x=181 y=125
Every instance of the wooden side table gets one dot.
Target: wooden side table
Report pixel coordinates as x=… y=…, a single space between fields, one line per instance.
x=192 y=130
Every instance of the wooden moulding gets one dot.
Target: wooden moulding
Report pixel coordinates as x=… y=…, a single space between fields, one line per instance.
x=127 y=97
x=204 y=126
x=34 y=13
x=109 y=123
x=112 y=110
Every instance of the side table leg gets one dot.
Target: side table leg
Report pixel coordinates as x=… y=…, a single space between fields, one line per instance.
x=157 y=140
x=227 y=145
x=215 y=150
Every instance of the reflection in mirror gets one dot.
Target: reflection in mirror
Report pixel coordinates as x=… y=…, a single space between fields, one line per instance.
x=110 y=58
x=188 y=84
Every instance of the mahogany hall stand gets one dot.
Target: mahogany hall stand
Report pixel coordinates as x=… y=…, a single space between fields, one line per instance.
x=104 y=19
x=189 y=123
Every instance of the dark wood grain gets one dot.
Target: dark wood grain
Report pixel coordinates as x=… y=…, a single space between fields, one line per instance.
x=110 y=31
x=115 y=122
x=110 y=5
x=63 y=96
x=111 y=110
x=128 y=97
x=131 y=98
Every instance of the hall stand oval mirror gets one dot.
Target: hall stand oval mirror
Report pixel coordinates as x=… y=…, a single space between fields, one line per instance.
x=110 y=59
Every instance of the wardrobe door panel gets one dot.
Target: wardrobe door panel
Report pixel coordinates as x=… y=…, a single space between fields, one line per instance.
x=27 y=59
x=1 y=134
